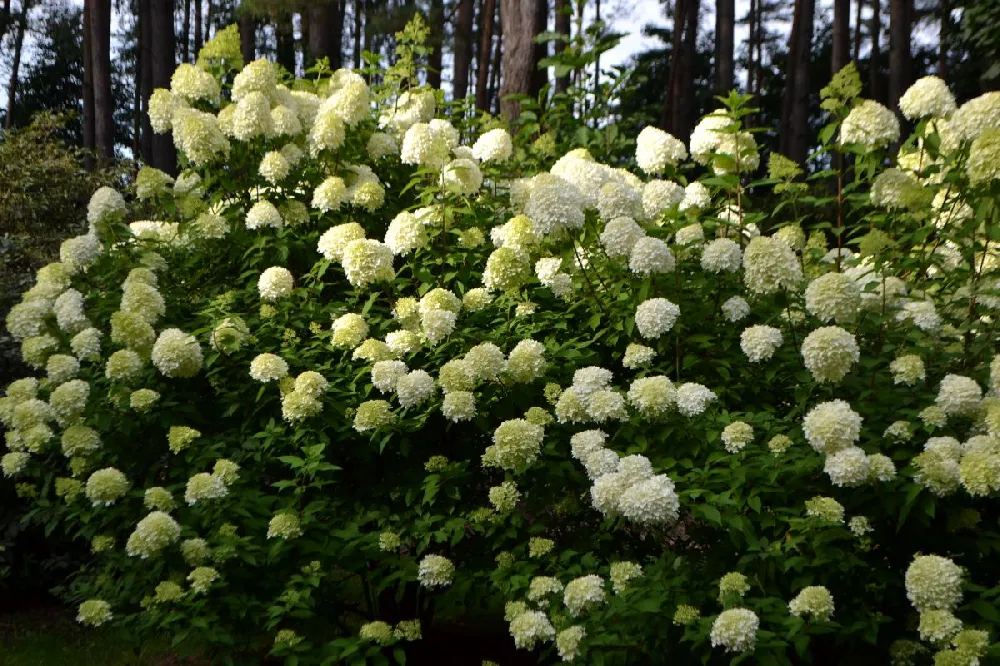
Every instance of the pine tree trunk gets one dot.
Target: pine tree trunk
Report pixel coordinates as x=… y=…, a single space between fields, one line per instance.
x=793 y=134
x=436 y=43
x=857 y=30
x=562 y=21
x=874 y=66
x=145 y=74
x=161 y=12
x=100 y=50
x=900 y=61
x=4 y=17
x=942 y=67
x=186 y=33
x=22 y=27
x=841 y=35
x=678 y=111
x=518 y=21
x=359 y=8
x=486 y=14
x=284 y=33
x=725 y=20
x=248 y=34
x=492 y=96
x=199 y=39
x=209 y=18
x=463 y=48
x=540 y=76
x=326 y=32
x=88 y=89
x=751 y=46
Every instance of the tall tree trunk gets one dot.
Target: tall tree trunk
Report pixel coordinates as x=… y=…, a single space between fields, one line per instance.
x=359 y=6
x=248 y=34
x=209 y=19
x=326 y=32
x=900 y=61
x=518 y=19
x=678 y=111
x=463 y=48
x=4 y=17
x=793 y=135
x=22 y=27
x=725 y=23
x=161 y=12
x=751 y=50
x=436 y=43
x=284 y=33
x=942 y=67
x=540 y=76
x=145 y=73
x=104 y=105
x=841 y=35
x=186 y=33
x=874 y=64
x=199 y=39
x=597 y=56
x=562 y=21
x=492 y=94
x=88 y=88
x=857 y=30
x=486 y=15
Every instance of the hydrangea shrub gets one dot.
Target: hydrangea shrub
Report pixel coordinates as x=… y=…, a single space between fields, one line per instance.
x=367 y=374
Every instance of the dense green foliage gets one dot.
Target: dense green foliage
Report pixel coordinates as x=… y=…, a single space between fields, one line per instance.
x=646 y=420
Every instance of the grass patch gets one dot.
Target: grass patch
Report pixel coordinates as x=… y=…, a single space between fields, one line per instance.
x=50 y=637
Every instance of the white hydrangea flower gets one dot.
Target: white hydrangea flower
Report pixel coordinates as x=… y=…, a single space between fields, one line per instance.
x=829 y=353
x=658 y=196
x=696 y=197
x=770 y=266
x=722 y=255
x=933 y=583
x=760 y=342
x=832 y=426
x=655 y=150
x=274 y=283
x=928 y=96
x=692 y=398
x=655 y=316
x=959 y=395
x=870 y=124
x=847 y=467
x=735 y=308
x=735 y=629
x=583 y=592
x=264 y=214
x=493 y=146
x=620 y=235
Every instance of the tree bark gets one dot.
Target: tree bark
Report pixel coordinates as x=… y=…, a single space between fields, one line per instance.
x=248 y=34
x=841 y=35
x=22 y=27
x=284 y=33
x=209 y=19
x=145 y=74
x=161 y=12
x=199 y=39
x=463 y=48
x=436 y=43
x=486 y=14
x=751 y=53
x=900 y=60
x=4 y=17
x=857 y=30
x=942 y=67
x=793 y=135
x=88 y=89
x=492 y=95
x=359 y=6
x=678 y=111
x=725 y=23
x=100 y=51
x=326 y=32
x=540 y=77
x=186 y=33
x=518 y=20
x=562 y=21
x=874 y=73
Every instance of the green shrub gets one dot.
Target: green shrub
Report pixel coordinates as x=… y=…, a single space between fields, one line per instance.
x=630 y=416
